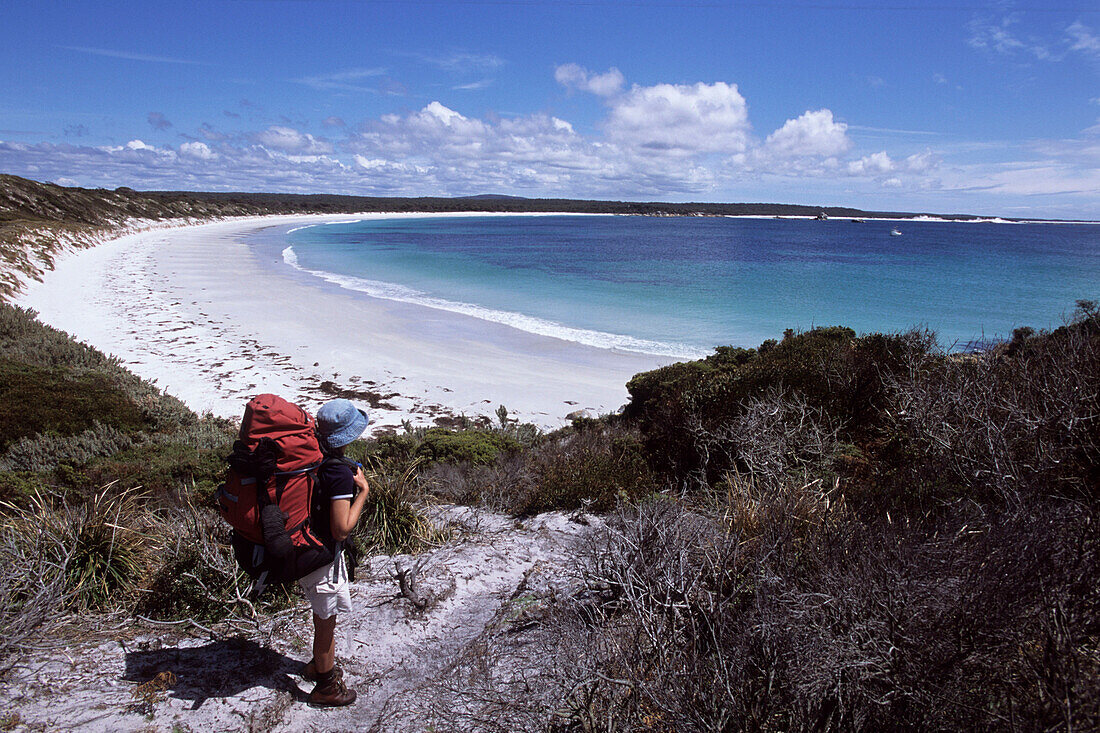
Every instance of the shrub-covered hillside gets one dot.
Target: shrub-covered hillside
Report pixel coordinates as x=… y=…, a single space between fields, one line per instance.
x=829 y=532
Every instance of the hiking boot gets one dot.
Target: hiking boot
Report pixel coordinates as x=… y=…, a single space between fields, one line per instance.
x=331 y=692
x=309 y=671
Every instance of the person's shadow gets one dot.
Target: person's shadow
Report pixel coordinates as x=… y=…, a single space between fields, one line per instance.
x=219 y=669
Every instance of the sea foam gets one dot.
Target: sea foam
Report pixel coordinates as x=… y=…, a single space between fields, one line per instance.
x=521 y=321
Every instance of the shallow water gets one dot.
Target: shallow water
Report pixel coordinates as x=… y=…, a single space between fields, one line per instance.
x=679 y=286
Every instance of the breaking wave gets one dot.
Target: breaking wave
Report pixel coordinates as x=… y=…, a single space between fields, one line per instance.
x=531 y=324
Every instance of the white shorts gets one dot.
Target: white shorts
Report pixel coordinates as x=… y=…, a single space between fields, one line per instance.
x=327 y=588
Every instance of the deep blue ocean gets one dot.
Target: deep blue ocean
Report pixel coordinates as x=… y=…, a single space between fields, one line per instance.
x=680 y=286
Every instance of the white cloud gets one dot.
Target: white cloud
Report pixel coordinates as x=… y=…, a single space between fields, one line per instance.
x=459 y=62
x=132 y=56
x=474 y=85
x=657 y=142
x=349 y=80
x=196 y=149
x=679 y=118
x=289 y=140
x=998 y=36
x=1083 y=39
x=921 y=162
x=573 y=76
x=871 y=165
x=814 y=134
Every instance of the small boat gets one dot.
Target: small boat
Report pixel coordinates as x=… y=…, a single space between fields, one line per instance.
x=895 y=232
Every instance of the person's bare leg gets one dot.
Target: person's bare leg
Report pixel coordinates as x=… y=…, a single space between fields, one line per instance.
x=324 y=643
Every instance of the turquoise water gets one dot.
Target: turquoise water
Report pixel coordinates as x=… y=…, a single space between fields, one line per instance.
x=680 y=286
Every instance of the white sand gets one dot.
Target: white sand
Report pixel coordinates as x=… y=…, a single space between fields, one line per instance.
x=196 y=310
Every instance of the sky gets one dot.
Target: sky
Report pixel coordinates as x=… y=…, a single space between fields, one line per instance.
x=989 y=108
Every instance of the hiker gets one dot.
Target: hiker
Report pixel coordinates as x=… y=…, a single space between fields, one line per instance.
x=342 y=487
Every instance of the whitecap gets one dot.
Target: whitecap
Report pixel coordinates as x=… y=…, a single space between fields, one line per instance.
x=520 y=321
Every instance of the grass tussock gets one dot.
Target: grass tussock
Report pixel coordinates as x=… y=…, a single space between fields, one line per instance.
x=393 y=519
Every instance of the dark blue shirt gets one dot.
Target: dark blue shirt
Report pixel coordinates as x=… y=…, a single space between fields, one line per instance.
x=335 y=481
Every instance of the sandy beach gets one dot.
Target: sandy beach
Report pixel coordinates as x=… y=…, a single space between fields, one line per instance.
x=211 y=320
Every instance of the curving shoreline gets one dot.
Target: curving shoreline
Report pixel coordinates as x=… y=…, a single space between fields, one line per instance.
x=196 y=309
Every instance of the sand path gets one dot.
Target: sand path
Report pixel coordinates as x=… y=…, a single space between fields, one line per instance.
x=397 y=658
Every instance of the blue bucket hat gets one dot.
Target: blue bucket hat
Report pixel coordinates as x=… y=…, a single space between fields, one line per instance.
x=339 y=422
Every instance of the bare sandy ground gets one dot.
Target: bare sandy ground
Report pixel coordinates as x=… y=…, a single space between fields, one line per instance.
x=195 y=309
x=494 y=576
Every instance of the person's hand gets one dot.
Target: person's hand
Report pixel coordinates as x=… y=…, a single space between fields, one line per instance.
x=361 y=480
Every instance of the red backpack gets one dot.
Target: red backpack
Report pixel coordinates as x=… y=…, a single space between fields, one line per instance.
x=268 y=496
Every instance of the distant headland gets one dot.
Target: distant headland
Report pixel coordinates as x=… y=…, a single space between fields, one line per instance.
x=25 y=200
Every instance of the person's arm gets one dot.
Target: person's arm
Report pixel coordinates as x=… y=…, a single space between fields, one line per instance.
x=345 y=512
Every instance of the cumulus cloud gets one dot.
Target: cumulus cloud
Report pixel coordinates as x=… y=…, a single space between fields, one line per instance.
x=158 y=121
x=698 y=118
x=660 y=141
x=872 y=165
x=574 y=76
x=921 y=162
x=196 y=149
x=289 y=140
x=814 y=134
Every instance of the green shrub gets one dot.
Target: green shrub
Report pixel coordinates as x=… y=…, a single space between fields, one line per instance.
x=65 y=402
x=593 y=468
x=442 y=445
x=198 y=577
x=470 y=446
x=594 y=464
x=17 y=487
x=46 y=451
x=188 y=463
x=92 y=552
x=57 y=368
x=683 y=409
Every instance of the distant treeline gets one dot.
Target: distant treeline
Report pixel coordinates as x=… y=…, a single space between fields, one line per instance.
x=24 y=200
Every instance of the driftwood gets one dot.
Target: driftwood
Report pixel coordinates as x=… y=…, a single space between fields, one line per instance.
x=409 y=585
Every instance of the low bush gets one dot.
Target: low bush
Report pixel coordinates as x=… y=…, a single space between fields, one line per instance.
x=40 y=399
x=89 y=555
x=594 y=468
x=833 y=373
x=442 y=445
x=188 y=464
x=51 y=381
x=594 y=465
x=198 y=577
x=46 y=451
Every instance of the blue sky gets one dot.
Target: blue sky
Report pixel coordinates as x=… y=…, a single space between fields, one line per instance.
x=988 y=108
